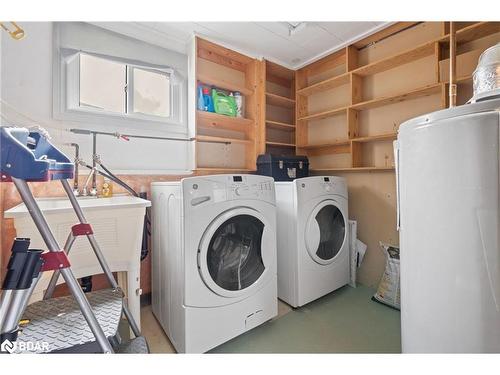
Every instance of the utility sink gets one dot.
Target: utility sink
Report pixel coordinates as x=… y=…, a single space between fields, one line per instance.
x=61 y=205
x=118 y=224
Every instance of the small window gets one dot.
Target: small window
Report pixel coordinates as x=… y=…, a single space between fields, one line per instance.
x=110 y=86
x=151 y=95
x=102 y=84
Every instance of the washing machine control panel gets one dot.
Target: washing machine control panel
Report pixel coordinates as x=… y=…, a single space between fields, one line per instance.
x=200 y=191
x=244 y=187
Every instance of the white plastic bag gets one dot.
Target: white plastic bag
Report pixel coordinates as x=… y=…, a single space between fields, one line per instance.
x=388 y=291
x=357 y=250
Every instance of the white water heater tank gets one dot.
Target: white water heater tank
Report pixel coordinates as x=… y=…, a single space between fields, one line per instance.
x=448 y=206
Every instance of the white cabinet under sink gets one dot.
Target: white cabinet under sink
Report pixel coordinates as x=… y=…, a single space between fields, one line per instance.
x=118 y=227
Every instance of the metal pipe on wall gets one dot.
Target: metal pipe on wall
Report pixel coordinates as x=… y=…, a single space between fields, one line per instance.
x=453 y=66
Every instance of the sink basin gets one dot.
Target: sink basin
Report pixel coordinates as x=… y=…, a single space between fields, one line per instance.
x=117 y=223
x=51 y=205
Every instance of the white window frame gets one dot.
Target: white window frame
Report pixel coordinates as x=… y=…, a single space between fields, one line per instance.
x=67 y=97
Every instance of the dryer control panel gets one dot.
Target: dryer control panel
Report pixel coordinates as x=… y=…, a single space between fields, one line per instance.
x=321 y=185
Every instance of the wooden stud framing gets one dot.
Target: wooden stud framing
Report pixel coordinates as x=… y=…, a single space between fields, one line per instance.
x=260 y=142
x=352 y=123
x=252 y=111
x=301 y=108
x=356 y=155
x=356 y=89
x=351 y=57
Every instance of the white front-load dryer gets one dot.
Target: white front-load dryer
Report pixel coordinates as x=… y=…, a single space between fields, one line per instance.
x=313 y=243
x=214 y=258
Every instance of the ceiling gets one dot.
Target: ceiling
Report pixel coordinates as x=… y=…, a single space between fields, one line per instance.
x=271 y=40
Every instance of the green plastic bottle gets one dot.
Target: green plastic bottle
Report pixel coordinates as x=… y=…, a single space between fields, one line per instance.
x=223 y=103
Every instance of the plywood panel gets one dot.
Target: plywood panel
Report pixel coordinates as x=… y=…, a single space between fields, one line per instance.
x=466 y=64
x=280 y=114
x=387 y=119
x=325 y=161
x=377 y=154
x=372 y=202
x=399 y=42
x=335 y=98
x=278 y=89
x=336 y=71
x=211 y=69
x=221 y=155
x=282 y=136
x=400 y=79
x=332 y=129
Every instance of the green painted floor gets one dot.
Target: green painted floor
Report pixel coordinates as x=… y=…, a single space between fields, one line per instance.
x=345 y=321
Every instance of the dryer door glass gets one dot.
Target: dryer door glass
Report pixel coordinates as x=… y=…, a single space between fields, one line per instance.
x=234 y=256
x=332 y=231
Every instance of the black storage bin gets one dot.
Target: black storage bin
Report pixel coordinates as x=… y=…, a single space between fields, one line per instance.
x=283 y=168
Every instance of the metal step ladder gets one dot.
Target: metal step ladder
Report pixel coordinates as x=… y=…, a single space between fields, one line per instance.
x=78 y=323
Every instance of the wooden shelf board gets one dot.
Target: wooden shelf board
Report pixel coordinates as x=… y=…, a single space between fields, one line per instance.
x=417 y=93
x=463 y=79
x=212 y=139
x=280 y=125
x=280 y=144
x=423 y=50
x=280 y=101
x=324 y=114
x=376 y=138
x=327 y=84
x=355 y=169
x=467 y=34
x=326 y=145
x=222 y=169
x=476 y=31
x=222 y=84
x=210 y=120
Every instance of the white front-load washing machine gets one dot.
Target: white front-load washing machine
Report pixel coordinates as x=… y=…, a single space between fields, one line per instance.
x=214 y=258
x=313 y=243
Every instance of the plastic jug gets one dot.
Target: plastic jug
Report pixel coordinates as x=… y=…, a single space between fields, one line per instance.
x=207 y=100
x=223 y=104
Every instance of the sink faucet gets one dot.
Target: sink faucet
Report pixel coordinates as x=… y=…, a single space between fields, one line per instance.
x=92 y=175
x=93 y=190
x=76 y=190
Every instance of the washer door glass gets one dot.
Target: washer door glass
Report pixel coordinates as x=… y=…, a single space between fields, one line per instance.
x=234 y=256
x=331 y=232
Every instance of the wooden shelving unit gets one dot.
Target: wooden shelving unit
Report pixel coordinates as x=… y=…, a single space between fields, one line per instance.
x=342 y=111
x=356 y=134
x=278 y=115
x=226 y=144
